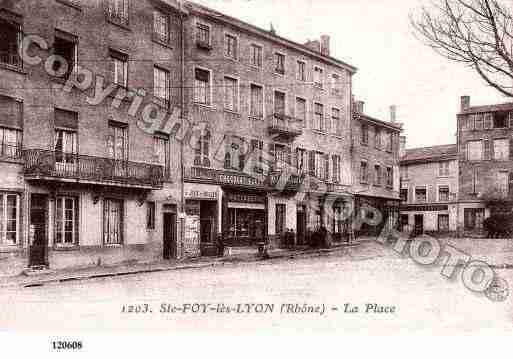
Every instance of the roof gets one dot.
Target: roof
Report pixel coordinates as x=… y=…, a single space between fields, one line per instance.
x=213 y=14
x=393 y=126
x=430 y=154
x=489 y=108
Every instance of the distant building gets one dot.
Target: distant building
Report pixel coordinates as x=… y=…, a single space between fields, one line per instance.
x=375 y=158
x=486 y=160
x=429 y=188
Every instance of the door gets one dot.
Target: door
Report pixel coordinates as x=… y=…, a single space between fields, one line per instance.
x=280 y=218
x=419 y=224
x=169 y=240
x=301 y=225
x=38 y=230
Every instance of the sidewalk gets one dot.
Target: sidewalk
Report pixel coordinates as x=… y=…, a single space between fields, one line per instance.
x=70 y=275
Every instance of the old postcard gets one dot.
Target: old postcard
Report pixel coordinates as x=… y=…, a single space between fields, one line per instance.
x=248 y=167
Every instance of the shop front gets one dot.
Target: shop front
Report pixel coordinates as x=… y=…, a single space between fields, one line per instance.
x=367 y=208
x=244 y=218
x=202 y=208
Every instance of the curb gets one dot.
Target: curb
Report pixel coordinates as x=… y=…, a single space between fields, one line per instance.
x=220 y=262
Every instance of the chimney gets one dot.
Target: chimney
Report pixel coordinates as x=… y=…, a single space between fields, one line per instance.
x=402 y=146
x=393 y=114
x=465 y=103
x=325 y=45
x=360 y=106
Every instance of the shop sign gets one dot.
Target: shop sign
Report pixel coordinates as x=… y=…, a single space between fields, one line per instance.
x=198 y=194
x=246 y=198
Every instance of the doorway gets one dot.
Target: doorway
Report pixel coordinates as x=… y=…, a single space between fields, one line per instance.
x=38 y=256
x=419 y=224
x=169 y=235
x=301 y=224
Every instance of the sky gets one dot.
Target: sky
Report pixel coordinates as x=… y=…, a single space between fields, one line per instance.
x=394 y=68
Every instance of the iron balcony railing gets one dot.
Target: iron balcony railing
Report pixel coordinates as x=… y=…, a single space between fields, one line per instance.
x=58 y=165
x=285 y=125
x=10 y=151
x=10 y=58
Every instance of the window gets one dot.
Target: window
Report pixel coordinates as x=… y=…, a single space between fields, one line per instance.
x=119 y=65
x=500 y=119
x=320 y=165
x=202 y=150
x=117 y=142
x=420 y=195
x=443 y=222
x=231 y=94
x=326 y=160
x=475 y=180
x=444 y=169
x=404 y=195
x=10 y=41
x=161 y=151
x=335 y=85
x=161 y=26
x=479 y=121
x=117 y=11
x=150 y=215
x=404 y=172
x=9 y=218
x=202 y=87
x=443 y=194
x=161 y=84
x=318 y=117
x=234 y=152
x=364 y=172
x=256 y=55
x=389 y=141
x=65 y=45
x=302 y=160
x=365 y=135
x=473 y=218
x=501 y=149
x=112 y=222
x=377 y=175
x=301 y=110
x=468 y=122
x=377 y=139
x=257 y=101
x=390 y=177
x=336 y=168
x=301 y=71
x=66 y=150
x=10 y=142
x=230 y=46
x=203 y=35
x=311 y=163
x=318 y=76
x=257 y=149
x=335 y=120
x=488 y=120
x=282 y=157
x=279 y=104
x=475 y=150
x=66 y=221
x=279 y=63
x=503 y=183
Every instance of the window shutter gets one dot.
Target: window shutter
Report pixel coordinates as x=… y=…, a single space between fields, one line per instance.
x=311 y=163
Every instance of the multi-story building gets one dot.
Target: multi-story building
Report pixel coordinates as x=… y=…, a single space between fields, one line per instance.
x=375 y=162
x=429 y=188
x=486 y=160
x=264 y=97
x=87 y=176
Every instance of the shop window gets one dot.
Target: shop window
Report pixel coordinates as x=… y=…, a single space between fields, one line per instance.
x=443 y=222
x=473 y=218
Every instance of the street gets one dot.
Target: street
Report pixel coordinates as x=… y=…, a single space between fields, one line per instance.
x=403 y=297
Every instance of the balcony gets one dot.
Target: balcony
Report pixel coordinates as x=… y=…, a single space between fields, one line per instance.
x=285 y=127
x=56 y=166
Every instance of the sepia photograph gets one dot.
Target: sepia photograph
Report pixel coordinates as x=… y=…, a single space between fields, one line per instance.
x=255 y=167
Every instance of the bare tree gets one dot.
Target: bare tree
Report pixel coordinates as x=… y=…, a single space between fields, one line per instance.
x=477 y=33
